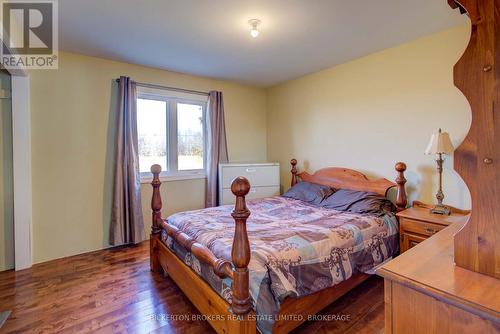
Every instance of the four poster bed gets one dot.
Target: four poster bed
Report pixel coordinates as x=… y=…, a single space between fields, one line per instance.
x=295 y=259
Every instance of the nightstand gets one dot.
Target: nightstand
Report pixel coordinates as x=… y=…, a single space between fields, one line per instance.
x=417 y=223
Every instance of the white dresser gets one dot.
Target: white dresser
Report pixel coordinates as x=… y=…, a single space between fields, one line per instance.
x=264 y=180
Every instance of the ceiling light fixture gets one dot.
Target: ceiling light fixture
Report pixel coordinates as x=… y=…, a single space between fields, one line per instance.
x=254 y=32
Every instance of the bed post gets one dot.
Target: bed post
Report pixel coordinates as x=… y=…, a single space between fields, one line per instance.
x=240 y=253
x=401 y=200
x=293 y=162
x=156 y=219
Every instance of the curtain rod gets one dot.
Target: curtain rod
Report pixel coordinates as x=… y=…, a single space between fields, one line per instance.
x=175 y=89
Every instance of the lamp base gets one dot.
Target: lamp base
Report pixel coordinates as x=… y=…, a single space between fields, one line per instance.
x=441 y=209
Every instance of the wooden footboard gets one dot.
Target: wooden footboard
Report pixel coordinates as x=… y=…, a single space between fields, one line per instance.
x=214 y=309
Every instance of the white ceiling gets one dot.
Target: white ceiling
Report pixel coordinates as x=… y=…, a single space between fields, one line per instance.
x=211 y=37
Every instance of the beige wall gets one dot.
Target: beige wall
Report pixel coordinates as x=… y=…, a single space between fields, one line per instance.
x=371 y=112
x=6 y=186
x=72 y=142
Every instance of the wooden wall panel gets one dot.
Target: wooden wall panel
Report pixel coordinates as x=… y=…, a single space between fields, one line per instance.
x=477 y=75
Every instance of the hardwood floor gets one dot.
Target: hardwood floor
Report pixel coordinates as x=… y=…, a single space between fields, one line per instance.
x=113 y=291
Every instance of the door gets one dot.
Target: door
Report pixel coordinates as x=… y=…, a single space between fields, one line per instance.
x=6 y=175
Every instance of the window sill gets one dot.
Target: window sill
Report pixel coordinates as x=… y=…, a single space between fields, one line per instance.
x=170 y=178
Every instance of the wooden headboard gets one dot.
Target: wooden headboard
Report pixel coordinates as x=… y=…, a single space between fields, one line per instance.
x=344 y=178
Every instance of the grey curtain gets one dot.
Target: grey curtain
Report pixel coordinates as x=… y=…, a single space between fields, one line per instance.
x=127 y=225
x=216 y=145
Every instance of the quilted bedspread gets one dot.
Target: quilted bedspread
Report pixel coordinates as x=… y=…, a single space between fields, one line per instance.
x=296 y=248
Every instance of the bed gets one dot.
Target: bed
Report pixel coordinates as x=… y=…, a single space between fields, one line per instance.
x=271 y=264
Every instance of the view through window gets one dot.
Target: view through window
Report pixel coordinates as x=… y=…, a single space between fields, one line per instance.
x=171 y=133
x=152 y=134
x=190 y=139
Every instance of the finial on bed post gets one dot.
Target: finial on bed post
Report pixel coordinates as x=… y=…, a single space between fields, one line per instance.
x=240 y=253
x=401 y=200
x=156 y=199
x=293 y=162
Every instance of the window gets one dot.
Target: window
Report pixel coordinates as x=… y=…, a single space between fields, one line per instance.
x=171 y=132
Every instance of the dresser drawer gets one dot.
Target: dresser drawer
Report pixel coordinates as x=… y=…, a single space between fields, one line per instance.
x=409 y=240
x=257 y=175
x=419 y=227
x=255 y=192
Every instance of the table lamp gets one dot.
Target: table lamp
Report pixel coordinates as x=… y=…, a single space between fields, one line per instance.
x=440 y=145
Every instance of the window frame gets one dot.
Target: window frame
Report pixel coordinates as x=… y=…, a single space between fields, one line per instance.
x=171 y=100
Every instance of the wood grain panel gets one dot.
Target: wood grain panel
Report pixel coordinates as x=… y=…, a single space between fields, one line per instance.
x=344 y=178
x=477 y=75
x=388 y=306
x=415 y=312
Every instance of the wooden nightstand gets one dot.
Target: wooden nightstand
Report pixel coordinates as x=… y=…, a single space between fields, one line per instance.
x=417 y=223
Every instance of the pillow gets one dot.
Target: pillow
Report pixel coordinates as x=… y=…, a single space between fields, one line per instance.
x=309 y=192
x=358 y=202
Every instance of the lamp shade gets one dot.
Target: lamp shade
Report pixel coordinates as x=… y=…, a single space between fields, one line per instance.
x=440 y=143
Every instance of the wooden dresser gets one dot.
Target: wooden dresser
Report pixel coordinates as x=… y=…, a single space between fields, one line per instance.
x=425 y=292
x=417 y=224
